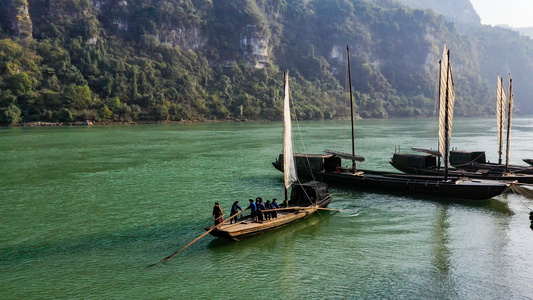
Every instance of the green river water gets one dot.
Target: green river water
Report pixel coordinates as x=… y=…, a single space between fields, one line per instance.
x=85 y=210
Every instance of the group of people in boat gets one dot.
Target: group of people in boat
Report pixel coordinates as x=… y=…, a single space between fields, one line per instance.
x=259 y=211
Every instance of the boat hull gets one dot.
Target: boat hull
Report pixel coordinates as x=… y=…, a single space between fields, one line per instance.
x=410 y=184
x=475 y=160
x=247 y=227
x=480 y=174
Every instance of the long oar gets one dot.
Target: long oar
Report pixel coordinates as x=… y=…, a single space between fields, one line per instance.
x=325 y=208
x=297 y=208
x=196 y=239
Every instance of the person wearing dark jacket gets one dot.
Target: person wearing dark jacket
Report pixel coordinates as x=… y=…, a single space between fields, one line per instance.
x=253 y=209
x=268 y=206
x=260 y=207
x=275 y=205
x=235 y=208
x=217 y=213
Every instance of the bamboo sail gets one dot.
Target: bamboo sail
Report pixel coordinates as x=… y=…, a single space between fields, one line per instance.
x=288 y=156
x=500 y=116
x=446 y=105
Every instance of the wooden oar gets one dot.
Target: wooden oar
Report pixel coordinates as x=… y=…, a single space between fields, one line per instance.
x=196 y=239
x=299 y=207
x=325 y=208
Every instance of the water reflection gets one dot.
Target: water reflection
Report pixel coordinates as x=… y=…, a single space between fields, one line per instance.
x=441 y=238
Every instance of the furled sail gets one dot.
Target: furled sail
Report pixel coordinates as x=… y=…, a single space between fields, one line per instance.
x=500 y=115
x=288 y=155
x=446 y=105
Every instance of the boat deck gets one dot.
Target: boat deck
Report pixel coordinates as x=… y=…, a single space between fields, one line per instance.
x=248 y=227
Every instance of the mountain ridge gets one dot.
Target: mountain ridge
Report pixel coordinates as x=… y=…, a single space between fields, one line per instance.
x=201 y=60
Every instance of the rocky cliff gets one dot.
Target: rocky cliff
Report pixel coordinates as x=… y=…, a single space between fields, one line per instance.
x=15 y=18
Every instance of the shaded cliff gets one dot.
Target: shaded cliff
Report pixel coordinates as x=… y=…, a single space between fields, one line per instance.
x=15 y=18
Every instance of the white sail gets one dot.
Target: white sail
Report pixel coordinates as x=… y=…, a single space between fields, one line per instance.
x=446 y=105
x=500 y=115
x=288 y=155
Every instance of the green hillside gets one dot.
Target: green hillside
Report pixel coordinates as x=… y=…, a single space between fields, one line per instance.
x=189 y=60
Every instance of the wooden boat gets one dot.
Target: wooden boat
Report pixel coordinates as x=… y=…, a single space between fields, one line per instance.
x=301 y=196
x=474 y=161
x=328 y=167
x=528 y=161
x=427 y=165
x=471 y=163
x=305 y=199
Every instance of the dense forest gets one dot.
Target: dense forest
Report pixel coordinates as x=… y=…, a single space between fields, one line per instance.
x=189 y=60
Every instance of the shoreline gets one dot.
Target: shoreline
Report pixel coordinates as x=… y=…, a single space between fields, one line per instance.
x=96 y=123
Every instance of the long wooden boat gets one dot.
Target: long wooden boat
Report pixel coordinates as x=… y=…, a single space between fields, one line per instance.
x=328 y=167
x=305 y=198
x=427 y=165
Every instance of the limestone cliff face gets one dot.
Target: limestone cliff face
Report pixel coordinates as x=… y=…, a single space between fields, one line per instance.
x=122 y=16
x=254 y=47
x=90 y=18
x=15 y=17
x=186 y=37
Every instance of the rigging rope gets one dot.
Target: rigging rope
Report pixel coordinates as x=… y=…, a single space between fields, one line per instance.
x=519 y=189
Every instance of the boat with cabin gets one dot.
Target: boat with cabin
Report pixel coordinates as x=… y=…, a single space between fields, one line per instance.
x=472 y=164
x=328 y=167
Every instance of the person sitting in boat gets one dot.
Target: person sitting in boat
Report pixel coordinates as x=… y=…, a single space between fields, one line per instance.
x=268 y=206
x=253 y=210
x=260 y=207
x=235 y=208
x=275 y=205
x=217 y=213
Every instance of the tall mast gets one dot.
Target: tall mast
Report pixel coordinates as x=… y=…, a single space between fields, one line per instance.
x=509 y=114
x=446 y=124
x=351 y=103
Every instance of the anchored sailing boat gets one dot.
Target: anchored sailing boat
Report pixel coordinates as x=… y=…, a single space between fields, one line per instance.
x=306 y=198
x=328 y=167
x=474 y=161
x=467 y=163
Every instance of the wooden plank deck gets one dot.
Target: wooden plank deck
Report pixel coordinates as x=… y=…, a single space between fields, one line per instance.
x=247 y=227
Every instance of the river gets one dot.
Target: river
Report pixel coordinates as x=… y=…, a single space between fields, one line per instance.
x=85 y=210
